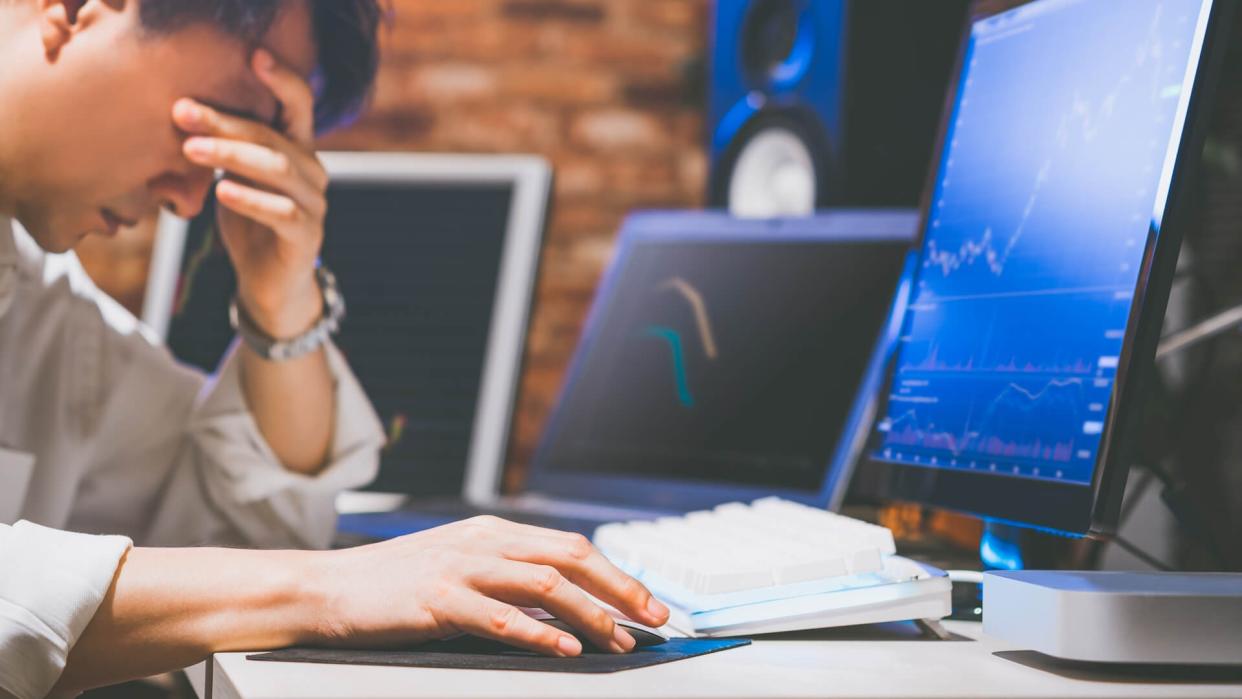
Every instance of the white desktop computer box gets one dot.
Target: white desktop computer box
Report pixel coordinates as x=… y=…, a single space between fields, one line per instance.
x=1118 y=617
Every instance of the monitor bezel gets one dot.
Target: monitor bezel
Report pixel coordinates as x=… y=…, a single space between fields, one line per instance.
x=530 y=178
x=1065 y=508
x=680 y=495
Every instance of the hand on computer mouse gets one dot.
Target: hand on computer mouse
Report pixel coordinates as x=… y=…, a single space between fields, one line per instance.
x=644 y=636
x=472 y=577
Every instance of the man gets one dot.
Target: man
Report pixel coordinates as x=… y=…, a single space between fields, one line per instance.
x=109 y=109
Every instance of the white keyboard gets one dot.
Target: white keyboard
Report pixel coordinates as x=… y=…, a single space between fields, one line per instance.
x=773 y=565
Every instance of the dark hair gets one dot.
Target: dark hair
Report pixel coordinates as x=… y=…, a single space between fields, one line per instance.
x=345 y=31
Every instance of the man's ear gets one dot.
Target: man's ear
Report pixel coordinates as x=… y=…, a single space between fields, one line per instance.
x=56 y=21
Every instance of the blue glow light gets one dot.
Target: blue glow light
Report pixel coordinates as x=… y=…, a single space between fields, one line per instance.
x=998 y=553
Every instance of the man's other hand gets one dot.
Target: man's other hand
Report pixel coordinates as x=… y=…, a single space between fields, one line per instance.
x=473 y=577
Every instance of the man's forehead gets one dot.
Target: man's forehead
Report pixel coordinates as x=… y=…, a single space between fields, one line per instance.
x=291 y=41
x=291 y=38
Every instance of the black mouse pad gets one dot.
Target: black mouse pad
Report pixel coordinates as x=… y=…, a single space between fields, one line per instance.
x=485 y=655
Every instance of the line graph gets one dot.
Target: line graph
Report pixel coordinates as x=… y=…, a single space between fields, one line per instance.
x=934 y=363
x=972 y=251
x=673 y=338
x=682 y=381
x=1080 y=127
x=1013 y=425
x=701 y=317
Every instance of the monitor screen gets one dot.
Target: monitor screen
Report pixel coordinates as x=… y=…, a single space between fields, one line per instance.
x=419 y=265
x=1055 y=171
x=723 y=361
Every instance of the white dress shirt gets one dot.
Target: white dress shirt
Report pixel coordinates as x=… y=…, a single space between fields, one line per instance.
x=103 y=434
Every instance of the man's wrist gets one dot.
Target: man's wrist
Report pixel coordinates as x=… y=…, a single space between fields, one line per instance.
x=318 y=613
x=313 y=599
x=287 y=318
x=279 y=607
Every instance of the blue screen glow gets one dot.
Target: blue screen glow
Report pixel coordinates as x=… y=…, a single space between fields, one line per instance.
x=1053 y=180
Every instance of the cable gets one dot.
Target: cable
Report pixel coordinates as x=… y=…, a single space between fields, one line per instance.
x=1166 y=479
x=1142 y=555
x=1212 y=327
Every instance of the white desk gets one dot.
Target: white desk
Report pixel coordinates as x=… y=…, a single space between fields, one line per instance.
x=822 y=664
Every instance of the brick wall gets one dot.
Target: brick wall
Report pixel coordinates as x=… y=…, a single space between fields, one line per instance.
x=606 y=89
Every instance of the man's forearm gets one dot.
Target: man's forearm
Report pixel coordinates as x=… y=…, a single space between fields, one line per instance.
x=171 y=608
x=293 y=405
x=292 y=401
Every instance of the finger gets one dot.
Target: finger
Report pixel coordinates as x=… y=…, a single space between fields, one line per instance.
x=297 y=100
x=198 y=119
x=488 y=618
x=275 y=211
x=579 y=560
x=256 y=163
x=542 y=586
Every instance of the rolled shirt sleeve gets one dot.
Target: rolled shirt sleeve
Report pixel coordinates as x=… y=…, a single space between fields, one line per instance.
x=125 y=441
x=61 y=580
x=229 y=487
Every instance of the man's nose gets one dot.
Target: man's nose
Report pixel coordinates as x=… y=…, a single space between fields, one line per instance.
x=184 y=192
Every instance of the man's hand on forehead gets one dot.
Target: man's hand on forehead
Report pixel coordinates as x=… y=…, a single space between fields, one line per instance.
x=283 y=90
x=273 y=192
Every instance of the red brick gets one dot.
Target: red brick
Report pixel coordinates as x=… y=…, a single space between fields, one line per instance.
x=680 y=18
x=556 y=84
x=620 y=129
x=451 y=83
x=555 y=11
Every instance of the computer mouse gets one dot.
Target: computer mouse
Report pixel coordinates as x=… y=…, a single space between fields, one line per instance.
x=644 y=636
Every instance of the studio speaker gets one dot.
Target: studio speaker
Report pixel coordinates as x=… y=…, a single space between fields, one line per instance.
x=817 y=103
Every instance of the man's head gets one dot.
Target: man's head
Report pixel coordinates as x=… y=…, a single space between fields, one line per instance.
x=86 y=130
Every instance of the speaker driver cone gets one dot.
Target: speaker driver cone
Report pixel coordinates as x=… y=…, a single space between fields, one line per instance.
x=774 y=176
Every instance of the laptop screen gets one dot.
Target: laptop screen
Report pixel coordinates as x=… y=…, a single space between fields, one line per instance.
x=730 y=361
x=418 y=264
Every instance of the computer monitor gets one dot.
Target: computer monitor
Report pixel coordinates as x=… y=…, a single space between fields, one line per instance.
x=723 y=360
x=437 y=258
x=1049 y=239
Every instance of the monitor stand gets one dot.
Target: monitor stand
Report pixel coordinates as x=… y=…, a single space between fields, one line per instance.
x=1118 y=617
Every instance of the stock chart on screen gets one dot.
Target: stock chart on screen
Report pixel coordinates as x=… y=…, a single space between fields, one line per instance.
x=1055 y=166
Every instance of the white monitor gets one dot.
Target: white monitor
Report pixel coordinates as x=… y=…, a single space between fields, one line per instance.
x=437 y=256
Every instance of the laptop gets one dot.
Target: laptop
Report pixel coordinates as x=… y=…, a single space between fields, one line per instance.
x=437 y=256
x=723 y=360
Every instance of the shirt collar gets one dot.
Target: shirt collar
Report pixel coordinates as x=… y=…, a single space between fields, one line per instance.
x=8 y=265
